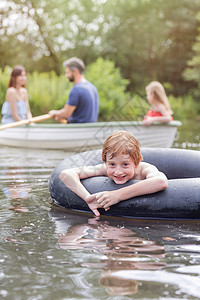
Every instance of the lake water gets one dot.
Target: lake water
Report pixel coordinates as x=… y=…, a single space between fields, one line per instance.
x=50 y=253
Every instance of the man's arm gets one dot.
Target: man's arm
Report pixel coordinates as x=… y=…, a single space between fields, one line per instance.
x=63 y=113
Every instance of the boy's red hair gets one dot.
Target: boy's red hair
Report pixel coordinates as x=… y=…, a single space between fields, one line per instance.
x=122 y=142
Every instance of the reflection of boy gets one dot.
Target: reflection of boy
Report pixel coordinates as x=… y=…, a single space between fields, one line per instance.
x=122 y=162
x=118 y=285
x=121 y=248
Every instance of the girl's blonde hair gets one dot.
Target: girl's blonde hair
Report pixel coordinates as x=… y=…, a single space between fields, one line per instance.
x=122 y=142
x=158 y=90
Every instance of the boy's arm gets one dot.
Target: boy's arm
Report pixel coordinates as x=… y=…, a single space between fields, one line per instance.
x=151 y=181
x=71 y=178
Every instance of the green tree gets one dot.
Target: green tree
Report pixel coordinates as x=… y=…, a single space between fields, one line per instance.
x=146 y=39
x=151 y=39
x=192 y=72
x=181 y=33
x=111 y=87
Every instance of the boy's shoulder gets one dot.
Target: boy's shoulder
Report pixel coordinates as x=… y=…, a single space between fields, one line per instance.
x=144 y=169
x=143 y=165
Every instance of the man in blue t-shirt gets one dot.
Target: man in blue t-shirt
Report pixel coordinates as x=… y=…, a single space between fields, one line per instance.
x=82 y=105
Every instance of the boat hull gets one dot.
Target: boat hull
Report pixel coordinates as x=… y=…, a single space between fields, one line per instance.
x=86 y=136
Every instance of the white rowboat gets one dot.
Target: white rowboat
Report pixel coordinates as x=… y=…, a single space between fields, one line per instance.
x=86 y=136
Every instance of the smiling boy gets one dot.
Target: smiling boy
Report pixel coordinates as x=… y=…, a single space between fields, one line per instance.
x=122 y=162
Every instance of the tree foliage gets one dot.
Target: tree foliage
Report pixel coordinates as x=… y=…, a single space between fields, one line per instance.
x=192 y=72
x=146 y=39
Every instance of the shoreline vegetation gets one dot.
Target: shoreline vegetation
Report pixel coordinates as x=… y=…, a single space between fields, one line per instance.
x=50 y=91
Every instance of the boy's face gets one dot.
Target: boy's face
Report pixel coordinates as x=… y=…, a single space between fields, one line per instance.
x=120 y=168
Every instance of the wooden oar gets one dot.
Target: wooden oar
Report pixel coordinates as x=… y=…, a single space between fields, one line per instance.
x=27 y=121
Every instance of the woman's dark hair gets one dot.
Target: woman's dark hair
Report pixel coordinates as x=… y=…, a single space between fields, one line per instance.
x=17 y=70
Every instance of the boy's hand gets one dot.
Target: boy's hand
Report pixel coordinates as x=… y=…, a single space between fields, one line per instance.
x=102 y=200
x=107 y=198
x=93 y=205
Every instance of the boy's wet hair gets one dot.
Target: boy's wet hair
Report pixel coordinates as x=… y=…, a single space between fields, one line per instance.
x=122 y=142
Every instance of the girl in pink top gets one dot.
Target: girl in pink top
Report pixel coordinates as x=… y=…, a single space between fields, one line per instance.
x=160 y=110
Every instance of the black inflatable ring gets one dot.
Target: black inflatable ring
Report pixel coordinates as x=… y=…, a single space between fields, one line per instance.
x=181 y=200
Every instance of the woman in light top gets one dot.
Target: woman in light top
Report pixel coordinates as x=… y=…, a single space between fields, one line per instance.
x=16 y=106
x=160 y=110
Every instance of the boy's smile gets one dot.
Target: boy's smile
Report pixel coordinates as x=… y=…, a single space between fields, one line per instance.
x=120 y=168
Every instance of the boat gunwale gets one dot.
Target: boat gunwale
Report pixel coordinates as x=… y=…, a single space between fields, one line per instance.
x=98 y=124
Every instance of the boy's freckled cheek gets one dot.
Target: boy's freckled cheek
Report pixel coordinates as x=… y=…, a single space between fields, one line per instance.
x=109 y=172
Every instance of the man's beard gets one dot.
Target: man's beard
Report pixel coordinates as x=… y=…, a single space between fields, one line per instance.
x=71 y=79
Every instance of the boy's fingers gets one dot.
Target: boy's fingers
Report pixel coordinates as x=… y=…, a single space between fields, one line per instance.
x=91 y=198
x=106 y=205
x=96 y=212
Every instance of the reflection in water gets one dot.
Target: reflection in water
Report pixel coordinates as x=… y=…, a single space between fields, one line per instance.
x=17 y=190
x=113 y=259
x=23 y=171
x=188 y=135
x=122 y=249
